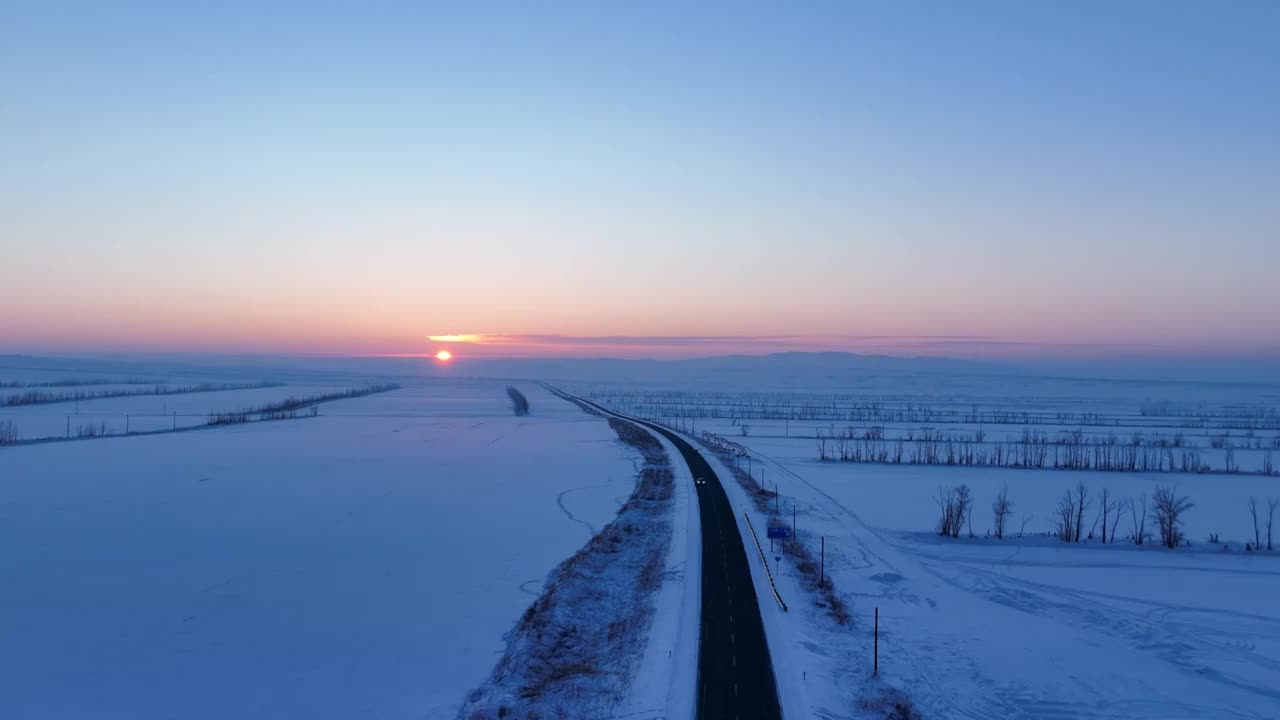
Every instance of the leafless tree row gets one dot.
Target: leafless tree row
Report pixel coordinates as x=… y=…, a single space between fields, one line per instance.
x=74 y=382
x=1079 y=515
x=858 y=409
x=1069 y=450
x=46 y=397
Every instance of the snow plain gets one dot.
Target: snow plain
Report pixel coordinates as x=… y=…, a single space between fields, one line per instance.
x=1019 y=628
x=367 y=562
x=361 y=564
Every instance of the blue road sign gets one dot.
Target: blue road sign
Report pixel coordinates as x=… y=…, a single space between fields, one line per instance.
x=780 y=532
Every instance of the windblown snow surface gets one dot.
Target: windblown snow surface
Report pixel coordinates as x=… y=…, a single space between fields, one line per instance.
x=365 y=563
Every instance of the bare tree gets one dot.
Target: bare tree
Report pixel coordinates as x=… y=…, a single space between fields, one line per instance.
x=1115 y=518
x=964 y=509
x=1082 y=504
x=1108 y=509
x=1023 y=527
x=1138 y=516
x=1002 y=508
x=1272 y=503
x=956 y=505
x=1167 y=509
x=1065 y=517
x=946 y=502
x=1253 y=511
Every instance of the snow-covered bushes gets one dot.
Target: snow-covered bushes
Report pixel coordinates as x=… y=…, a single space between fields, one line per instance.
x=519 y=404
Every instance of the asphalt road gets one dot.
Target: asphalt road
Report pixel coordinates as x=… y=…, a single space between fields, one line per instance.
x=735 y=672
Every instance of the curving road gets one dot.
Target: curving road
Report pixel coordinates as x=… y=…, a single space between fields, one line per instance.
x=735 y=671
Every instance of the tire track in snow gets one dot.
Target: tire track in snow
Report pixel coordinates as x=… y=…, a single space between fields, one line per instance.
x=591 y=531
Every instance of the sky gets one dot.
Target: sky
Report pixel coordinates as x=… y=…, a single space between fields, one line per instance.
x=641 y=179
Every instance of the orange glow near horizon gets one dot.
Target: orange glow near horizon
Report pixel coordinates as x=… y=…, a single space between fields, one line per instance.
x=444 y=356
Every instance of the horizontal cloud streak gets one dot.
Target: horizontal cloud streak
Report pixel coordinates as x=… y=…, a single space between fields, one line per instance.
x=675 y=346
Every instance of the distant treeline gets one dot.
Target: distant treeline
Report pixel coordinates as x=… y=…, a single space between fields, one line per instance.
x=46 y=397
x=1067 y=450
x=75 y=382
x=851 y=409
x=291 y=406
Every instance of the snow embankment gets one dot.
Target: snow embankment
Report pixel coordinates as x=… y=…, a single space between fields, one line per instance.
x=576 y=648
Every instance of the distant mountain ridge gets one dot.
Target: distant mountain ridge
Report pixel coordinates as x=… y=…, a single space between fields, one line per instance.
x=783 y=370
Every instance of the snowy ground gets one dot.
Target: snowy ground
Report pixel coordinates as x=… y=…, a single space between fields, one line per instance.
x=367 y=562
x=1033 y=629
x=1023 y=628
x=364 y=563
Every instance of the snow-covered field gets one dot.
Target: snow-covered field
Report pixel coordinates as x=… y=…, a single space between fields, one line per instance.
x=368 y=562
x=1029 y=627
x=361 y=564
x=1025 y=627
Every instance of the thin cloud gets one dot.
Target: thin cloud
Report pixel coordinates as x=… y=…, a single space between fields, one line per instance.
x=680 y=340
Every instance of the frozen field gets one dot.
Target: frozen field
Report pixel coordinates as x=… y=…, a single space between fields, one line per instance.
x=362 y=564
x=1019 y=628
x=1032 y=628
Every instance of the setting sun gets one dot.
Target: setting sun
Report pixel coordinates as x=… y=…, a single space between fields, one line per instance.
x=444 y=356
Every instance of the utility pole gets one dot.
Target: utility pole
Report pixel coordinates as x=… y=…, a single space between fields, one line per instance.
x=876 y=666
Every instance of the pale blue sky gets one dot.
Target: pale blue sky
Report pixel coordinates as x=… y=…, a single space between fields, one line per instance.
x=352 y=177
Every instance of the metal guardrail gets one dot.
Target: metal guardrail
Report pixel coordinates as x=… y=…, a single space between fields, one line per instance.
x=765 y=560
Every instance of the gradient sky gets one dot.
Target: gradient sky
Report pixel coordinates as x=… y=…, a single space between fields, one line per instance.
x=640 y=178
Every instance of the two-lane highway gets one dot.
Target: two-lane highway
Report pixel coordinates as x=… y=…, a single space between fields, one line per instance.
x=735 y=671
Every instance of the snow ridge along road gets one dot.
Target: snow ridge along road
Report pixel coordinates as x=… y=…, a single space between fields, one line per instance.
x=735 y=670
